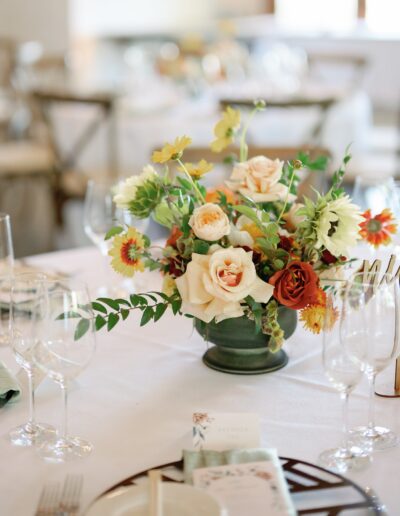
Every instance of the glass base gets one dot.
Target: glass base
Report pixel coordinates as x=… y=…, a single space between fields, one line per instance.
x=31 y=434
x=374 y=439
x=341 y=460
x=63 y=450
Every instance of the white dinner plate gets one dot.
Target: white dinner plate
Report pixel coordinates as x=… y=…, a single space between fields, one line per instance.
x=178 y=500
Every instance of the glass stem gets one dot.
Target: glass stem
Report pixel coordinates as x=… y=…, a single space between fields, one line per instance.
x=64 y=427
x=371 y=406
x=345 y=420
x=31 y=423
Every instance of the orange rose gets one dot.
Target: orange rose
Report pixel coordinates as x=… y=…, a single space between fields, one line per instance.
x=296 y=286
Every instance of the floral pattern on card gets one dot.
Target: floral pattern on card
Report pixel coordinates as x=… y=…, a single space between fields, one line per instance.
x=201 y=422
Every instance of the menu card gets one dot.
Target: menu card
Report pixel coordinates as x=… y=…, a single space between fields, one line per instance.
x=218 y=432
x=256 y=488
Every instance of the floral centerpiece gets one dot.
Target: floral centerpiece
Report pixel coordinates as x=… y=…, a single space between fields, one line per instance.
x=242 y=259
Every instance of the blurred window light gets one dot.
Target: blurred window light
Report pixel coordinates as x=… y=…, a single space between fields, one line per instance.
x=383 y=16
x=317 y=15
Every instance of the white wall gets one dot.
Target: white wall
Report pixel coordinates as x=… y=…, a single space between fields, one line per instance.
x=119 y=17
x=45 y=21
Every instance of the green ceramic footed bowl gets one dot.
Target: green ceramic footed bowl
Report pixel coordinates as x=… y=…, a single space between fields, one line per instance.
x=238 y=349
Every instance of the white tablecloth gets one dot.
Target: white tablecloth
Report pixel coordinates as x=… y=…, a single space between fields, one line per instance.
x=135 y=400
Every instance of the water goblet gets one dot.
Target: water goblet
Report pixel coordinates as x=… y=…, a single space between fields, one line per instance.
x=26 y=298
x=370 y=333
x=344 y=374
x=64 y=348
x=6 y=267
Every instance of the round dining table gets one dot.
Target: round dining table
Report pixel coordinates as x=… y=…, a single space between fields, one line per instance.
x=135 y=401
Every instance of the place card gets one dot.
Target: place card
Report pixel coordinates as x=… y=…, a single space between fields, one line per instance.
x=256 y=488
x=219 y=431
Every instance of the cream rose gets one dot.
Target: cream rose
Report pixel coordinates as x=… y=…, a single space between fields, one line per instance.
x=258 y=178
x=214 y=285
x=209 y=222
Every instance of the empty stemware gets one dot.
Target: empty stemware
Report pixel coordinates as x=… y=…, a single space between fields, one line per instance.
x=26 y=299
x=65 y=346
x=6 y=268
x=370 y=332
x=344 y=374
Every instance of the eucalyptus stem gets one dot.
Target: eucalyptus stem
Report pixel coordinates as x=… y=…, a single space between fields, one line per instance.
x=196 y=189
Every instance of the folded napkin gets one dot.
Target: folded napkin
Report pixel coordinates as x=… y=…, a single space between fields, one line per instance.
x=208 y=458
x=9 y=388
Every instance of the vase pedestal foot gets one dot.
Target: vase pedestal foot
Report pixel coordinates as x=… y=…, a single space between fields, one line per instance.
x=237 y=361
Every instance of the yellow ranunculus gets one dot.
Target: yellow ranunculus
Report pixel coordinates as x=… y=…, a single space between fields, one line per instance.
x=224 y=130
x=198 y=170
x=126 y=251
x=172 y=151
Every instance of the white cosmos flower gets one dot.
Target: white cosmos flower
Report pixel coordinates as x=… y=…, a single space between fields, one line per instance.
x=125 y=191
x=338 y=226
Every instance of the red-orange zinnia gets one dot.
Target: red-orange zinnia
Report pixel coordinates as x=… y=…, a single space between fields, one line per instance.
x=376 y=230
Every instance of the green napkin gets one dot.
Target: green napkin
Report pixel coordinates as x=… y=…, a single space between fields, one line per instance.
x=208 y=458
x=9 y=388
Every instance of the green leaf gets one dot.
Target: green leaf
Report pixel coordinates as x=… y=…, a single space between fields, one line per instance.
x=68 y=315
x=249 y=212
x=112 y=321
x=176 y=305
x=98 y=307
x=81 y=328
x=109 y=302
x=121 y=301
x=160 y=310
x=124 y=313
x=200 y=247
x=185 y=183
x=113 y=231
x=134 y=299
x=100 y=322
x=147 y=315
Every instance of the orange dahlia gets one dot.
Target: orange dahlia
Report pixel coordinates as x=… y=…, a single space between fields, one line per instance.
x=376 y=230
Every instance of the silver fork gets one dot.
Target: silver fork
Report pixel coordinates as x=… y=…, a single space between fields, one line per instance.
x=70 y=497
x=49 y=500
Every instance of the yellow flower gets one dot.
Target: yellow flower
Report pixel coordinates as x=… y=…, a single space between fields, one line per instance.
x=225 y=129
x=126 y=251
x=169 y=286
x=196 y=171
x=313 y=317
x=171 y=151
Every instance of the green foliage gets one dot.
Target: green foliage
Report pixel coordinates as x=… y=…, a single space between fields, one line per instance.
x=109 y=312
x=113 y=231
x=148 y=197
x=200 y=246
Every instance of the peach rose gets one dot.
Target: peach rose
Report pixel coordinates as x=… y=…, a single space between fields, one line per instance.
x=209 y=222
x=258 y=178
x=214 y=285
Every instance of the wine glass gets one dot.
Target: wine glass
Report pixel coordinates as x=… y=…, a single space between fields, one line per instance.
x=6 y=267
x=344 y=374
x=26 y=298
x=370 y=333
x=100 y=215
x=65 y=346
